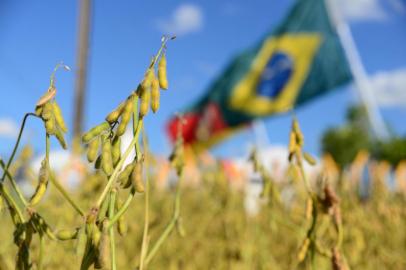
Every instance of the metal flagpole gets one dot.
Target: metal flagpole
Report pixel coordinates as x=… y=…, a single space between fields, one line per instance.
x=361 y=80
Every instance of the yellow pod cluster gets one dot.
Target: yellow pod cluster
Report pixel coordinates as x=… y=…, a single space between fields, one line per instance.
x=51 y=114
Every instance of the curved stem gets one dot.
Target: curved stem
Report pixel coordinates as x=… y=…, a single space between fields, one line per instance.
x=66 y=195
x=169 y=227
x=10 y=201
x=14 y=183
x=20 y=133
x=122 y=210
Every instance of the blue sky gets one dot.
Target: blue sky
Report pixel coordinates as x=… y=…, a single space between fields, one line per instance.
x=35 y=35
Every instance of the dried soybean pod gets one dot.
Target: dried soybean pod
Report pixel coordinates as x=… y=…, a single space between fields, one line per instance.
x=311 y=160
x=125 y=116
x=124 y=177
x=96 y=131
x=163 y=80
x=61 y=139
x=1 y=203
x=93 y=149
x=47 y=96
x=47 y=111
x=115 y=114
x=136 y=177
x=155 y=95
x=144 y=102
x=106 y=158
x=66 y=234
x=59 y=117
x=116 y=150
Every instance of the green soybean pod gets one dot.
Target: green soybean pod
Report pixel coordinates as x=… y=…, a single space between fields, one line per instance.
x=155 y=95
x=93 y=149
x=124 y=177
x=95 y=131
x=50 y=126
x=47 y=111
x=309 y=158
x=103 y=249
x=97 y=164
x=115 y=114
x=125 y=116
x=66 y=234
x=106 y=158
x=116 y=150
x=162 y=77
x=60 y=138
x=81 y=242
x=59 y=117
x=121 y=224
x=136 y=177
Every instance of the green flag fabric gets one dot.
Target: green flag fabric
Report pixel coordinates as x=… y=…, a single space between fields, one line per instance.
x=297 y=61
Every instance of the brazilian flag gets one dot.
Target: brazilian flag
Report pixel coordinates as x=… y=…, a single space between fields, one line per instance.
x=299 y=60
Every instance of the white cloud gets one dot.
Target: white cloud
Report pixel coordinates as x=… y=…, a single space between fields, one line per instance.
x=8 y=128
x=389 y=87
x=187 y=18
x=358 y=10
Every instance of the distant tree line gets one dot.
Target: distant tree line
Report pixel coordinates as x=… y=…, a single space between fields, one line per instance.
x=344 y=142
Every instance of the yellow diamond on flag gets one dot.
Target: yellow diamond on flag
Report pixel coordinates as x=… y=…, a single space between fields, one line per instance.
x=276 y=75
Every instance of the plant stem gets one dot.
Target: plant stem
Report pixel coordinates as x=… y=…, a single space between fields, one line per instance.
x=10 y=201
x=113 y=195
x=120 y=163
x=41 y=252
x=66 y=195
x=122 y=210
x=20 y=133
x=56 y=183
x=169 y=227
x=146 y=210
x=13 y=183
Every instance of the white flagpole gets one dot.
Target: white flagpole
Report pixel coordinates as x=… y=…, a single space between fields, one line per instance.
x=361 y=80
